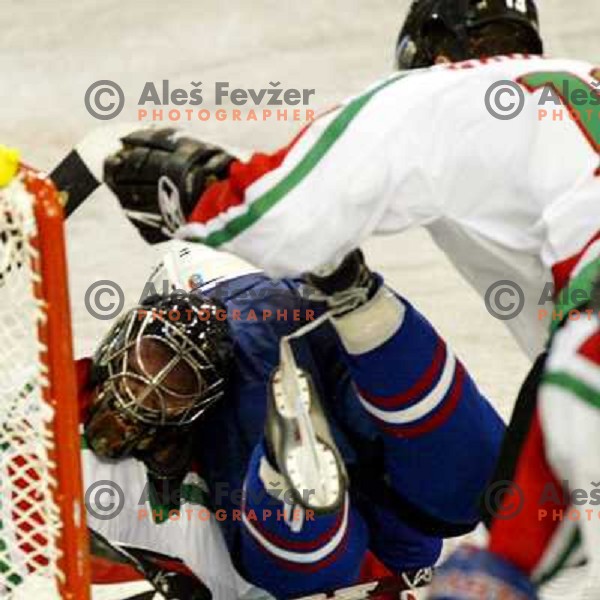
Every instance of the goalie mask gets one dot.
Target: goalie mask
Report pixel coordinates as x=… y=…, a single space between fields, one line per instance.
x=160 y=367
x=452 y=24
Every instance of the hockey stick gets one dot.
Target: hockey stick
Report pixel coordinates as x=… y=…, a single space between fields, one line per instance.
x=168 y=578
x=75 y=179
x=79 y=174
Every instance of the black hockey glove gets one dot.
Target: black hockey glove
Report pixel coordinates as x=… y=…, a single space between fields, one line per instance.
x=158 y=176
x=346 y=286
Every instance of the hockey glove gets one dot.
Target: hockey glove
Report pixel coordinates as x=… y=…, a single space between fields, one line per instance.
x=346 y=286
x=158 y=176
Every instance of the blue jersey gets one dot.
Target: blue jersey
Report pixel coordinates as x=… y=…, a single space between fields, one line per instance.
x=419 y=482
x=260 y=312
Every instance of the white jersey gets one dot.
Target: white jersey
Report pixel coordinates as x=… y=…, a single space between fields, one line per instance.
x=569 y=405
x=505 y=199
x=120 y=507
x=554 y=507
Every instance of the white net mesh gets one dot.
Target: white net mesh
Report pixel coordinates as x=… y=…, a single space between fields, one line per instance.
x=29 y=517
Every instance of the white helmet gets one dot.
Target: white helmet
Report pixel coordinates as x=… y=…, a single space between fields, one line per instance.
x=189 y=267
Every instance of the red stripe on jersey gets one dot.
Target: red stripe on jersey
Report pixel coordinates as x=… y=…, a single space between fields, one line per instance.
x=222 y=195
x=523 y=539
x=106 y=571
x=296 y=545
x=562 y=270
x=311 y=567
x=590 y=349
x=435 y=419
x=416 y=391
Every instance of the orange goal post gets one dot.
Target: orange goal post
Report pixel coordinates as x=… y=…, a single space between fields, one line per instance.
x=43 y=536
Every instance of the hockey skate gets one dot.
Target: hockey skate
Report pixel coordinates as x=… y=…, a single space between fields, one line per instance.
x=299 y=440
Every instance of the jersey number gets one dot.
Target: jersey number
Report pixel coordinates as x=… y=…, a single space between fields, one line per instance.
x=520 y=5
x=569 y=87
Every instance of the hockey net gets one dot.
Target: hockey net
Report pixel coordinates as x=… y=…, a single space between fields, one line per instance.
x=43 y=543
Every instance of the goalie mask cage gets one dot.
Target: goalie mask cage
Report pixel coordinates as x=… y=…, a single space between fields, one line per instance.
x=43 y=539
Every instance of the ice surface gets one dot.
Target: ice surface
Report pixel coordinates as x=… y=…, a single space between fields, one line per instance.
x=51 y=51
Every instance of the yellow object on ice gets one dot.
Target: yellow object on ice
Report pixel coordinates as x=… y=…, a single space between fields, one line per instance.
x=9 y=164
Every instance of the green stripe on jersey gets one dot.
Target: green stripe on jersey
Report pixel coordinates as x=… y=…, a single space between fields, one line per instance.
x=270 y=198
x=577 y=387
x=566 y=302
x=573 y=543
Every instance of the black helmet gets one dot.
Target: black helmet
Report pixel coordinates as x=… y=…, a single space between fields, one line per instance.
x=455 y=21
x=162 y=365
